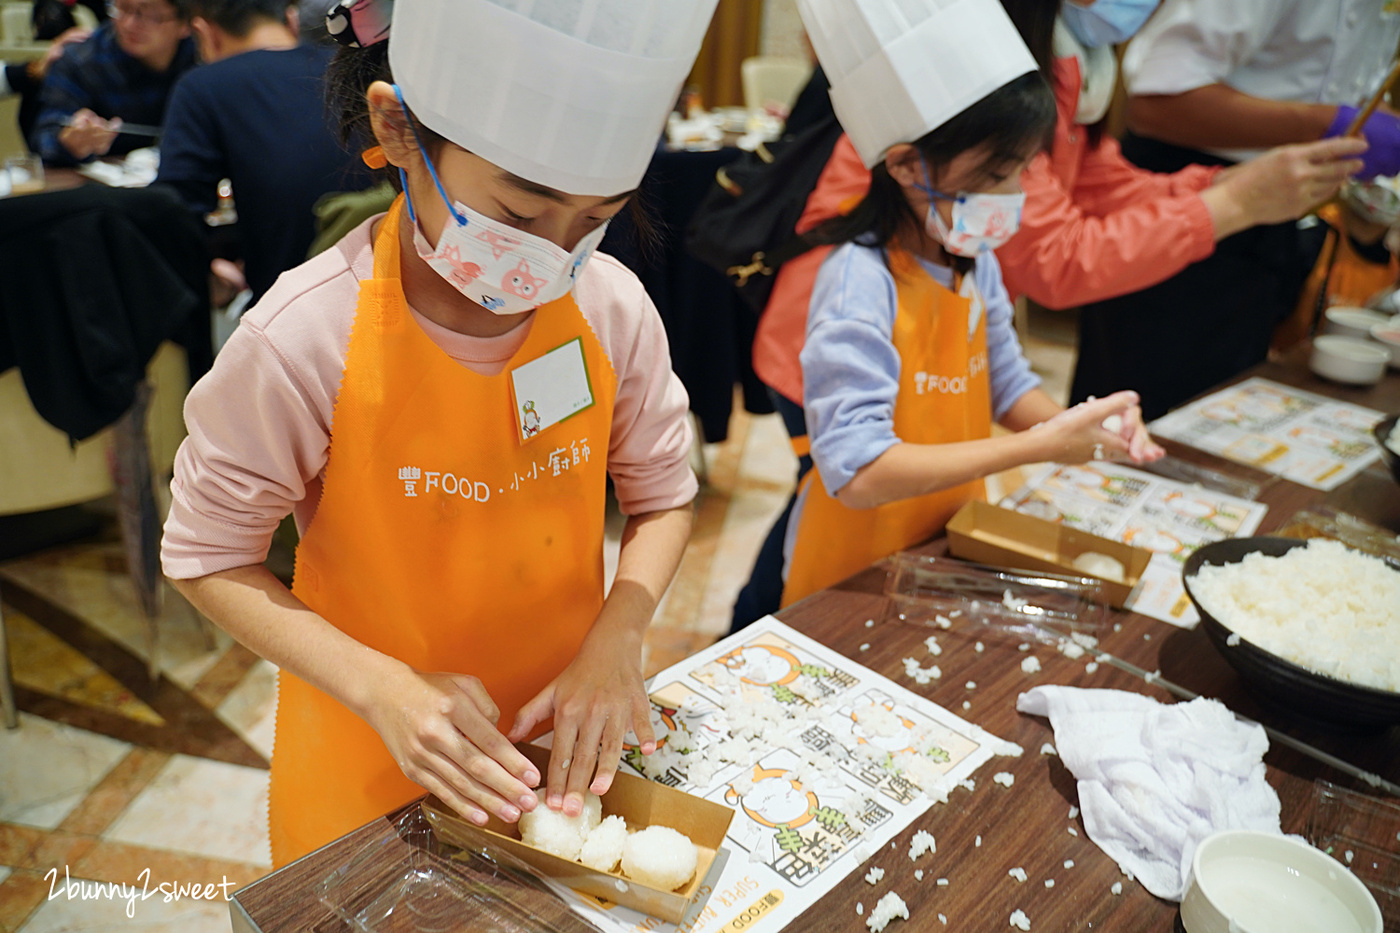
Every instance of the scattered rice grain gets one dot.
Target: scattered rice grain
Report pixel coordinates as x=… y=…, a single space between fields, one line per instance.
x=889 y=907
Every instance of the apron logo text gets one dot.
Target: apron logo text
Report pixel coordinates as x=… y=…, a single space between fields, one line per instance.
x=448 y=483
x=418 y=482
x=929 y=383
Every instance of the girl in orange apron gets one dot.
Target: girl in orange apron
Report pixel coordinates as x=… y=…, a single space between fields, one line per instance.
x=910 y=353
x=448 y=598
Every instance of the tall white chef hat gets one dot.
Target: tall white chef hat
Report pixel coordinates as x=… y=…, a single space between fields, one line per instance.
x=900 y=68
x=571 y=94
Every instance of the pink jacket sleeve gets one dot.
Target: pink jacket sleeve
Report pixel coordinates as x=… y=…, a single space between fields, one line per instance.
x=1120 y=230
x=1096 y=226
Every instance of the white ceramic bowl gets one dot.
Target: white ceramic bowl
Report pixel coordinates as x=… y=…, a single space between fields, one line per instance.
x=1345 y=359
x=1352 y=322
x=1388 y=336
x=1249 y=882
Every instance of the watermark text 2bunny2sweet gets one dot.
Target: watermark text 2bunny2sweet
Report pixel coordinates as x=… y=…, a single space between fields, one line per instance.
x=141 y=891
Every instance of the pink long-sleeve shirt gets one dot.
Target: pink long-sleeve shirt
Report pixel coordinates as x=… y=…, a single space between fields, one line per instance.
x=260 y=421
x=1095 y=226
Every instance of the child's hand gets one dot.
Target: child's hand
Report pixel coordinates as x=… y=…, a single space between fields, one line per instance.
x=1141 y=447
x=441 y=730
x=1078 y=434
x=595 y=702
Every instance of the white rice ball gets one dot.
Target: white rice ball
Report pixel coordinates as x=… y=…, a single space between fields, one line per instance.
x=660 y=857
x=1100 y=565
x=556 y=833
x=602 y=849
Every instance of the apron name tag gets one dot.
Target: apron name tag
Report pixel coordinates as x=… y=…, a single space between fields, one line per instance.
x=550 y=388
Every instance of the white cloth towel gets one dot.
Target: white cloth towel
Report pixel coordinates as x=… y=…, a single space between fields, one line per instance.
x=1155 y=780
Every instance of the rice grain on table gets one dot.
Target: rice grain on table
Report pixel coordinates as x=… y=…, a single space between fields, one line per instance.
x=1324 y=607
x=888 y=908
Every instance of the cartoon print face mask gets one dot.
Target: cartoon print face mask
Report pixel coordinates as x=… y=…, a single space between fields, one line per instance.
x=505 y=270
x=981 y=221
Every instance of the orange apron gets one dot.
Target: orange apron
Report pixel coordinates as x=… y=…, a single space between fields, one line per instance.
x=944 y=396
x=1339 y=277
x=440 y=539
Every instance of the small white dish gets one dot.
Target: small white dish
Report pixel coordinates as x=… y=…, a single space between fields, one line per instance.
x=1388 y=336
x=1352 y=322
x=1252 y=882
x=1347 y=360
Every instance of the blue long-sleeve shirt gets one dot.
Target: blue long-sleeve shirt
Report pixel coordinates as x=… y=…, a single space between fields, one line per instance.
x=850 y=368
x=98 y=75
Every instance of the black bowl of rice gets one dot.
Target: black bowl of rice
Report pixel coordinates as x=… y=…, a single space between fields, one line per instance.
x=1311 y=626
x=1389 y=439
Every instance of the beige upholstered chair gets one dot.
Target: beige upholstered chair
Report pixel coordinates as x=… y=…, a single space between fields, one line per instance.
x=768 y=79
x=39 y=469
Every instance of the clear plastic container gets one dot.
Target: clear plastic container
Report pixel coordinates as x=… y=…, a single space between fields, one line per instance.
x=1363 y=833
x=407 y=879
x=1321 y=521
x=946 y=593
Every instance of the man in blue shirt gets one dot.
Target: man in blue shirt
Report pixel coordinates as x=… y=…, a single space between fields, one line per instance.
x=255 y=114
x=124 y=73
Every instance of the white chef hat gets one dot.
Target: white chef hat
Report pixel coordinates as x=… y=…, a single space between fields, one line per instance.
x=900 y=68
x=571 y=94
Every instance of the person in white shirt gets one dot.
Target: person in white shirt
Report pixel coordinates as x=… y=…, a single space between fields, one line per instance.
x=1215 y=82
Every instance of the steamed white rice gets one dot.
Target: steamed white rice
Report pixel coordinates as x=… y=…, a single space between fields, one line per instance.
x=602 y=847
x=556 y=833
x=659 y=856
x=1324 y=607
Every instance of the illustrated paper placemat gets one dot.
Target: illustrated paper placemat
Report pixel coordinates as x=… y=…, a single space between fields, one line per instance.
x=1170 y=519
x=1309 y=439
x=823 y=761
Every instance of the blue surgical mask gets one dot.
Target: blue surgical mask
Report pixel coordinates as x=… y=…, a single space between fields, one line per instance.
x=1106 y=22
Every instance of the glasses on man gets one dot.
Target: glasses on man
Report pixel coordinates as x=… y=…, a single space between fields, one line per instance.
x=139 y=14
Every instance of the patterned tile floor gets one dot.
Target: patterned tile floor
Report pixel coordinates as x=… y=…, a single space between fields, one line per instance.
x=113 y=779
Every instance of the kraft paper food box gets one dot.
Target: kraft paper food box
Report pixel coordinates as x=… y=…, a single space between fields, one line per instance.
x=987 y=534
x=641 y=803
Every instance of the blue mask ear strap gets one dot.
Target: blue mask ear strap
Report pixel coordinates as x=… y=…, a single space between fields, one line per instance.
x=413 y=125
x=927 y=187
x=408 y=198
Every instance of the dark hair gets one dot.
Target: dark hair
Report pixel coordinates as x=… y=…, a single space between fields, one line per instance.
x=1010 y=124
x=238 y=17
x=1035 y=21
x=348 y=77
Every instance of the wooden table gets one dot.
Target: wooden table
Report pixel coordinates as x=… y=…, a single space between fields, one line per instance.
x=1026 y=825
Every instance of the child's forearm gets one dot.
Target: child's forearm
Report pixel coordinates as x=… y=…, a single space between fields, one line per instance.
x=1065 y=435
x=906 y=471
x=255 y=608
x=1030 y=410
x=652 y=545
